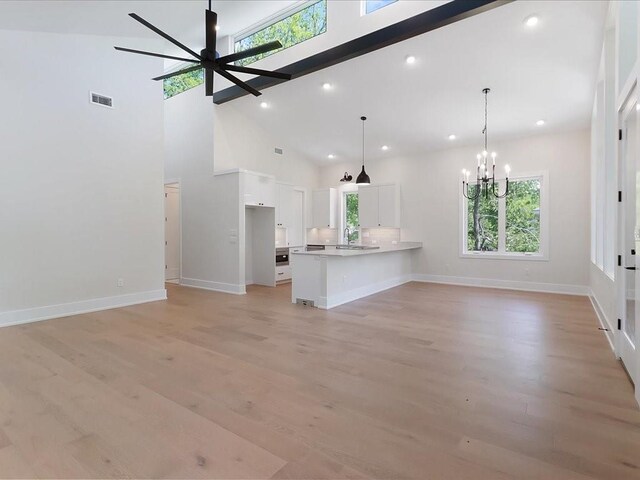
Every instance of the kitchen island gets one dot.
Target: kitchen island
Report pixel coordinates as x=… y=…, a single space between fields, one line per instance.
x=331 y=277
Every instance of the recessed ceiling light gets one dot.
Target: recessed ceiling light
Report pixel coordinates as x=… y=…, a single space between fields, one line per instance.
x=638 y=106
x=540 y=123
x=410 y=59
x=452 y=137
x=531 y=21
x=264 y=105
x=331 y=156
x=385 y=147
x=327 y=86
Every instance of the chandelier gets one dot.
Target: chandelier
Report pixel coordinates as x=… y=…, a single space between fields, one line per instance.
x=483 y=178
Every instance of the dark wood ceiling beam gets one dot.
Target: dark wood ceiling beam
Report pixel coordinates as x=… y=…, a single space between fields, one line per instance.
x=438 y=17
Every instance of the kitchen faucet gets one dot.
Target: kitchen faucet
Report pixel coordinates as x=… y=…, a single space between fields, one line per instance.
x=347 y=236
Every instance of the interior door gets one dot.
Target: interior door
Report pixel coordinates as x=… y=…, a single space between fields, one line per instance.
x=629 y=236
x=172 y=232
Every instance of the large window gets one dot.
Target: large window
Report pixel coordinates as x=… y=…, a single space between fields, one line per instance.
x=370 y=6
x=351 y=219
x=180 y=83
x=514 y=226
x=295 y=27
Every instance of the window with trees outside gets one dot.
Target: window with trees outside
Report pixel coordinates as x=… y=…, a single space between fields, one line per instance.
x=298 y=25
x=373 y=5
x=181 y=83
x=512 y=226
x=351 y=219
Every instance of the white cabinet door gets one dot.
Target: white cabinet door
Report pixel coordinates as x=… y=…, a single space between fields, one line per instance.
x=259 y=190
x=368 y=206
x=388 y=206
x=284 y=205
x=323 y=208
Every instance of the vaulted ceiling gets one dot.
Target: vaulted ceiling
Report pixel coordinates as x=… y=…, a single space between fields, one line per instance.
x=543 y=73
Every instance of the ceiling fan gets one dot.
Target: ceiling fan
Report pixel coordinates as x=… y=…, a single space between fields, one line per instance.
x=208 y=58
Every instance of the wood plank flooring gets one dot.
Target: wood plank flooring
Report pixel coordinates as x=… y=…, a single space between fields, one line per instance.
x=422 y=381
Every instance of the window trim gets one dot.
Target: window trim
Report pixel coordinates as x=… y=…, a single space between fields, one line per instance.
x=343 y=210
x=273 y=19
x=501 y=254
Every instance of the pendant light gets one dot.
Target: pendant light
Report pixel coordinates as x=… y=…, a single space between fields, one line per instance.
x=363 y=178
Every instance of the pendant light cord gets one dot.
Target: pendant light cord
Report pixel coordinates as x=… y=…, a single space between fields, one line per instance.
x=363 y=119
x=486 y=133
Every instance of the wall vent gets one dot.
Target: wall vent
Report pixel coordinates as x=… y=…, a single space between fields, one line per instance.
x=101 y=100
x=278 y=151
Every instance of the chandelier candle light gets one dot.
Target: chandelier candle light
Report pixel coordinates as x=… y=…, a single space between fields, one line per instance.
x=482 y=170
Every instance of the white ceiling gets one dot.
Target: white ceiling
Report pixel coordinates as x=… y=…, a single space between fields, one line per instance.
x=182 y=19
x=547 y=72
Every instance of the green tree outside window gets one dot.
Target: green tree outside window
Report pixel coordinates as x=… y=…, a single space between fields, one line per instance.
x=351 y=215
x=307 y=23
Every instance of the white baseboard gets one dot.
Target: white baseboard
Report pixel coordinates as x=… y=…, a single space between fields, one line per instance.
x=357 y=293
x=17 y=317
x=604 y=321
x=214 y=286
x=504 y=284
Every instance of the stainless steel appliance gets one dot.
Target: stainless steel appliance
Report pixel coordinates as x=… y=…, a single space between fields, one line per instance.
x=282 y=257
x=312 y=247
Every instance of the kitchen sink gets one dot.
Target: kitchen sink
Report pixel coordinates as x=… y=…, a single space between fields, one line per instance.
x=356 y=247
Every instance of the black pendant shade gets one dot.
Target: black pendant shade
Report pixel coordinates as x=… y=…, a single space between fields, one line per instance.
x=363 y=178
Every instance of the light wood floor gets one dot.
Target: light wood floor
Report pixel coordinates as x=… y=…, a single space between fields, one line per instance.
x=423 y=381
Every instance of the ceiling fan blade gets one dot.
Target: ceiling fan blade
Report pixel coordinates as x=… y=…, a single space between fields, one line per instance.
x=164 y=35
x=122 y=49
x=211 y=20
x=240 y=83
x=208 y=82
x=267 y=47
x=256 y=71
x=178 y=72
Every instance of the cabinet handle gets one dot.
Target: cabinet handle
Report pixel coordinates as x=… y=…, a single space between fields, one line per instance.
x=280 y=273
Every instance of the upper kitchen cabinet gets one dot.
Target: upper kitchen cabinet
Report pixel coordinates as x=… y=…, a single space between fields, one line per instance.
x=284 y=205
x=379 y=206
x=259 y=189
x=324 y=205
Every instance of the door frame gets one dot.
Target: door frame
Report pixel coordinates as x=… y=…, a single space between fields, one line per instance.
x=625 y=350
x=167 y=182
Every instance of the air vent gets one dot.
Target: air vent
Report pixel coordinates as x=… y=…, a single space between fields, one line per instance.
x=101 y=100
x=278 y=151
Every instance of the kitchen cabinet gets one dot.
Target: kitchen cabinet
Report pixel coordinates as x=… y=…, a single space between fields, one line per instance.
x=259 y=189
x=284 y=205
x=379 y=206
x=324 y=203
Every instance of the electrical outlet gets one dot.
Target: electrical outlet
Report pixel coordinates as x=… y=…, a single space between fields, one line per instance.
x=120 y=282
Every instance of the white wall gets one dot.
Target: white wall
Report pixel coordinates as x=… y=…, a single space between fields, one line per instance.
x=81 y=194
x=201 y=138
x=431 y=210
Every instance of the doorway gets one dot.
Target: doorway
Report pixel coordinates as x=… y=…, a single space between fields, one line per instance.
x=172 y=232
x=629 y=238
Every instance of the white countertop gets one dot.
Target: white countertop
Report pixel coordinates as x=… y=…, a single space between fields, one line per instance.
x=335 y=252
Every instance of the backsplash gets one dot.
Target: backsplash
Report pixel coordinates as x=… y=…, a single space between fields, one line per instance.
x=322 y=236
x=369 y=236
x=380 y=236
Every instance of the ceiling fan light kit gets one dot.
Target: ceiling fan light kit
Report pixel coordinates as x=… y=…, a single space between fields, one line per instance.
x=209 y=59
